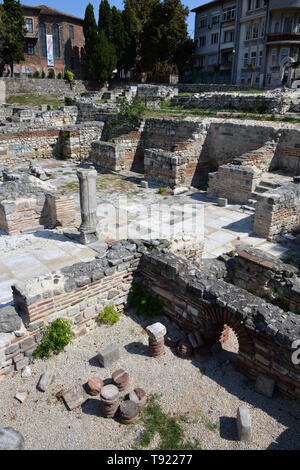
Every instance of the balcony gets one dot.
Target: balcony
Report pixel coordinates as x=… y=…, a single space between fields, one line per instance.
x=283 y=37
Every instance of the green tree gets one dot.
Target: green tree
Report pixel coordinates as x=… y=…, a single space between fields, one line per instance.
x=162 y=33
x=118 y=36
x=184 y=56
x=105 y=19
x=130 y=31
x=12 y=34
x=90 y=36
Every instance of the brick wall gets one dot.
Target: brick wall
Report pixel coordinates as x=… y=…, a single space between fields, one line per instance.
x=277 y=211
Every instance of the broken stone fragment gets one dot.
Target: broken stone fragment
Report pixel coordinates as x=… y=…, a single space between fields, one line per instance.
x=46 y=379
x=21 y=396
x=243 y=422
x=26 y=372
x=9 y=320
x=10 y=439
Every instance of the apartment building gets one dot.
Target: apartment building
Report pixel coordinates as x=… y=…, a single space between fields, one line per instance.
x=54 y=40
x=260 y=40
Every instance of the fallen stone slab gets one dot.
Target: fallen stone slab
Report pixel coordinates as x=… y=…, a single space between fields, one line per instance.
x=10 y=439
x=46 y=379
x=243 y=422
x=74 y=397
x=265 y=385
x=109 y=355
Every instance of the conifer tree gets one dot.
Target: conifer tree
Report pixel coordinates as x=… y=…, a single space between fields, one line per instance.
x=129 y=36
x=105 y=19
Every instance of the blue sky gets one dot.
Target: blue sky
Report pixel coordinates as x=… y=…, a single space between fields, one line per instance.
x=77 y=8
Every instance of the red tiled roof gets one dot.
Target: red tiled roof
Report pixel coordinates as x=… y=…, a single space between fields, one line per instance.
x=44 y=9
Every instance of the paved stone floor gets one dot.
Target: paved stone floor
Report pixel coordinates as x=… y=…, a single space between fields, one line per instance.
x=125 y=209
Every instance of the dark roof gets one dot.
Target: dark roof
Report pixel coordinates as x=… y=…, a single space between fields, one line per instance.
x=44 y=9
x=208 y=4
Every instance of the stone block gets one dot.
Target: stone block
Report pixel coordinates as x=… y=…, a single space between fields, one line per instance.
x=243 y=423
x=9 y=320
x=46 y=379
x=265 y=385
x=222 y=202
x=156 y=331
x=109 y=355
x=74 y=397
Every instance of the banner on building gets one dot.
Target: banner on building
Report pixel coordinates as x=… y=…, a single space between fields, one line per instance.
x=50 y=58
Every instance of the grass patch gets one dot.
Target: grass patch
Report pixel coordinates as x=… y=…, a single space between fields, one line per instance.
x=35 y=100
x=109 y=316
x=170 y=431
x=147 y=305
x=164 y=191
x=57 y=336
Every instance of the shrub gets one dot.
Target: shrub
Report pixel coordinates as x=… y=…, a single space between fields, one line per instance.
x=147 y=305
x=57 y=336
x=36 y=74
x=59 y=76
x=51 y=73
x=43 y=74
x=130 y=113
x=109 y=316
x=69 y=77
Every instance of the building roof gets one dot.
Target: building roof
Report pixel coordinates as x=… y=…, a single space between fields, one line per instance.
x=44 y=9
x=203 y=7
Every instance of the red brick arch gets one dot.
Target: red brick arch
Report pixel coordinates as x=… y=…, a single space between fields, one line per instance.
x=220 y=316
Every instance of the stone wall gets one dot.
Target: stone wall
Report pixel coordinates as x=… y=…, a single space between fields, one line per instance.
x=23 y=143
x=263 y=103
x=27 y=208
x=196 y=299
x=2 y=92
x=209 y=88
x=265 y=333
x=19 y=86
x=253 y=270
x=277 y=211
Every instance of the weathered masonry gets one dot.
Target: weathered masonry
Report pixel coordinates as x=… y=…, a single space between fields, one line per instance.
x=194 y=297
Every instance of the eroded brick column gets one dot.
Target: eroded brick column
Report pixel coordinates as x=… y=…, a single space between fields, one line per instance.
x=88 y=205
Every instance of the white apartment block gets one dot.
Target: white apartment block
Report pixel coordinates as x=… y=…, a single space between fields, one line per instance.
x=251 y=42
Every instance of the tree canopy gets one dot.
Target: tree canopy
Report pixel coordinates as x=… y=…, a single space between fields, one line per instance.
x=12 y=34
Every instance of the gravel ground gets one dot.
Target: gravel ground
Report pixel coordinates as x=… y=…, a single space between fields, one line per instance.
x=209 y=394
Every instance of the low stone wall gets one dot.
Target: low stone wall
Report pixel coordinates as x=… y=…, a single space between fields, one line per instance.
x=265 y=333
x=64 y=116
x=21 y=144
x=277 y=211
x=234 y=182
x=253 y=270
x=165 y=168
x=27 y=208
x=209 y=88
x=262 y=103
x=43 y=86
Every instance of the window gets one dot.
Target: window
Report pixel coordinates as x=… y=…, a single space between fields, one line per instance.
x=253 y=58
x=29 y=25
x=260 y=58
x=274 y=56
x=201 y=61
x=257 y=3
x=202 y=41
x=288 y=24
x=262 y=29
x=215 y=38
x=203 y=23
x=229 y=36
x=215 y=19
x=248 y=32
x=276 y=27
x=29 y=48
x=72 y=63
x=255 y=31
x=246 y=57
x=284 y=52
x=56 y=45
x=42 y=39
x=229 y=14
x=71 y=32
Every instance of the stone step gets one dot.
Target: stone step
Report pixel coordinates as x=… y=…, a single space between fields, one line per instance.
x=269 y=184
x=261 y=189
x=248 y=208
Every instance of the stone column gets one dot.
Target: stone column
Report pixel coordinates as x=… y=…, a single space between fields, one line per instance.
x=88 y=205
x=156 y=333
